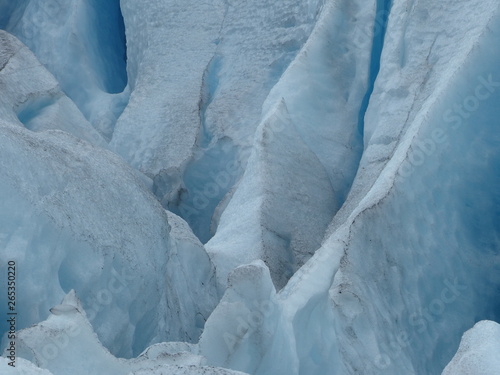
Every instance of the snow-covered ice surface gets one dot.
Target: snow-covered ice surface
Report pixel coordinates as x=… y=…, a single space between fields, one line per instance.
x=302 y=187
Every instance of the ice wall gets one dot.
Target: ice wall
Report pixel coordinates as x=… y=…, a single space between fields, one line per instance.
x=168 y=51
x=82 y=43
x=199 y=116
x=33 y=98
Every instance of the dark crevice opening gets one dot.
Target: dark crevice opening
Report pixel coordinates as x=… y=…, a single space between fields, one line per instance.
x=111 y=45
x=379 y=31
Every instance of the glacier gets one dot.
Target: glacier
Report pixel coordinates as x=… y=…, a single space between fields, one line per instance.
x=228 y=187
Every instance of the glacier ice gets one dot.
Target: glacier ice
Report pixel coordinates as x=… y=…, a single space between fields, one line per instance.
x=478 y=351
x=46 y=220
x=85 y=50
x=295 y=130
x=165 y=93
x=240 y=329
x=298 y=187
x=66 y=344
x=401 y=221
x=33 y=97
x=202 y=132
x=131 y=264
x=23 y=367
x=267 y=227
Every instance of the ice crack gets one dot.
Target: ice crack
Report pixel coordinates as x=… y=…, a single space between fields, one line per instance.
x=380 y=28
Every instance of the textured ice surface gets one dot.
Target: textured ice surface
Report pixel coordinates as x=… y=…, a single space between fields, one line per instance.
x=65 y=219
x=478 y=351
x=165 y=89
x=310 y=126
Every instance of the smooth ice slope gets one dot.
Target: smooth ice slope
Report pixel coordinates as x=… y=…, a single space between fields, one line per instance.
x=324 y=88
x=478 y=351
